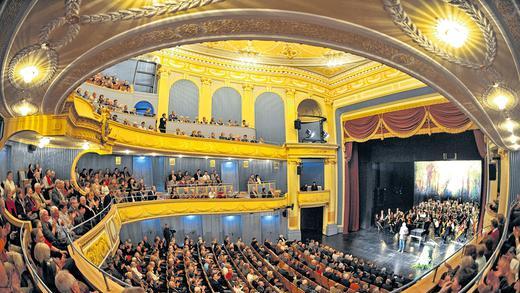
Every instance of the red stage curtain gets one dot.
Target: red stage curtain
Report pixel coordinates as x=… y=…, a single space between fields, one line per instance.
x=351 y=189
x=404 y=121
x=482 y=150
x=362 y=128
x=448 y=116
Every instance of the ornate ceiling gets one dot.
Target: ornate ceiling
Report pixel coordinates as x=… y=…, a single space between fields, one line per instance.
x=315 y=59
x=72 y=39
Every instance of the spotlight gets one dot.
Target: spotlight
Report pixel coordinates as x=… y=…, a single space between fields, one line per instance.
x=29 y=73
x=206 y=157
x=180 y=156
x=452 y=32
x=85 y=145
x=127 y=152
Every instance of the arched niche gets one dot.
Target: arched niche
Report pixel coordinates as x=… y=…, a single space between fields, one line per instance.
x=184 y=99
x=270 y=118
x=226 y=104
x=309 y=107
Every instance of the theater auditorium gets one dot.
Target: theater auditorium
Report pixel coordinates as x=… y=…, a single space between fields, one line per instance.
x=226 y=146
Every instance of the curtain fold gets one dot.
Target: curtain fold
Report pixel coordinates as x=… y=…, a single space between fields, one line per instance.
x=351 y=189
x=354 y=190
x=405 y=123
x=346 y=200
x=482 y=150
x=448 y=116
x=362 y=128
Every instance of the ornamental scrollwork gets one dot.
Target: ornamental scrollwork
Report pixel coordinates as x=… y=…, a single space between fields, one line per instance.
x=405 y=23
x=47 y=47
x=97 y=251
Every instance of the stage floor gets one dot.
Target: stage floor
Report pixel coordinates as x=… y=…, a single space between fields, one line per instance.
x=381 y=248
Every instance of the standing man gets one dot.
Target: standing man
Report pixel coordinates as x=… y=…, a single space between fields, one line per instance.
x=162 y=123
x=402 y=237
x=167 y=234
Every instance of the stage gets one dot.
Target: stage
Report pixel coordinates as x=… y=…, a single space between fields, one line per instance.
x=381 y=248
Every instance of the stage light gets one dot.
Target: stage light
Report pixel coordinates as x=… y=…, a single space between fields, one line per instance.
x=250 y=160
x=127 y=152
x=180 y=156
x=142 y=158
x=229 y=159
x=268 y=218
x=24 y=108
x=206 y=157
x=452 y=32
x=230 y=218
x=85 y=145
x=190 y=217
x=29 y=73
x=153 y=154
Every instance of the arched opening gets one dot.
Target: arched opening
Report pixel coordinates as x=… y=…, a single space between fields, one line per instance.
x=270 y=118
x=184 y=99
x=311 y=122
x=226 y=105
x=144 y=107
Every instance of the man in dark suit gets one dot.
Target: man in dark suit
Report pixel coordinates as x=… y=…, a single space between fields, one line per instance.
x=167 y=234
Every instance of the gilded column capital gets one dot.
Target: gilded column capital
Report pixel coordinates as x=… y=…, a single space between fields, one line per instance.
x=163 y=72
x=290 y=92
x=294 y=161
x=328 y=101
x=205 y=81
x=247 y=87
x=331 y=161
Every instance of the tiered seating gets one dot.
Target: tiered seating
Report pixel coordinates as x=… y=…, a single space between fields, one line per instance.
x=229 y=268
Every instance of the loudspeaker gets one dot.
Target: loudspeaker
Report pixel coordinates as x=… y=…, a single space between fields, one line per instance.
x=31 y=148
x=299 y=170
x=297 y=124
x=492 y=172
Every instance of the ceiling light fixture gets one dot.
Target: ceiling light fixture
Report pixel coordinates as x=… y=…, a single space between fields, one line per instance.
x=334 y=58
x=24 y=108
x=509 y=125
x=451 y=32
x=248 y=54
x=44 y=141
x=500 y=97
x=29 y=73
x=513 y=138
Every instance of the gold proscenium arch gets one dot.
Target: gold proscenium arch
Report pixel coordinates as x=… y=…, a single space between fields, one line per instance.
x=266 y=24
x=73 y=176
